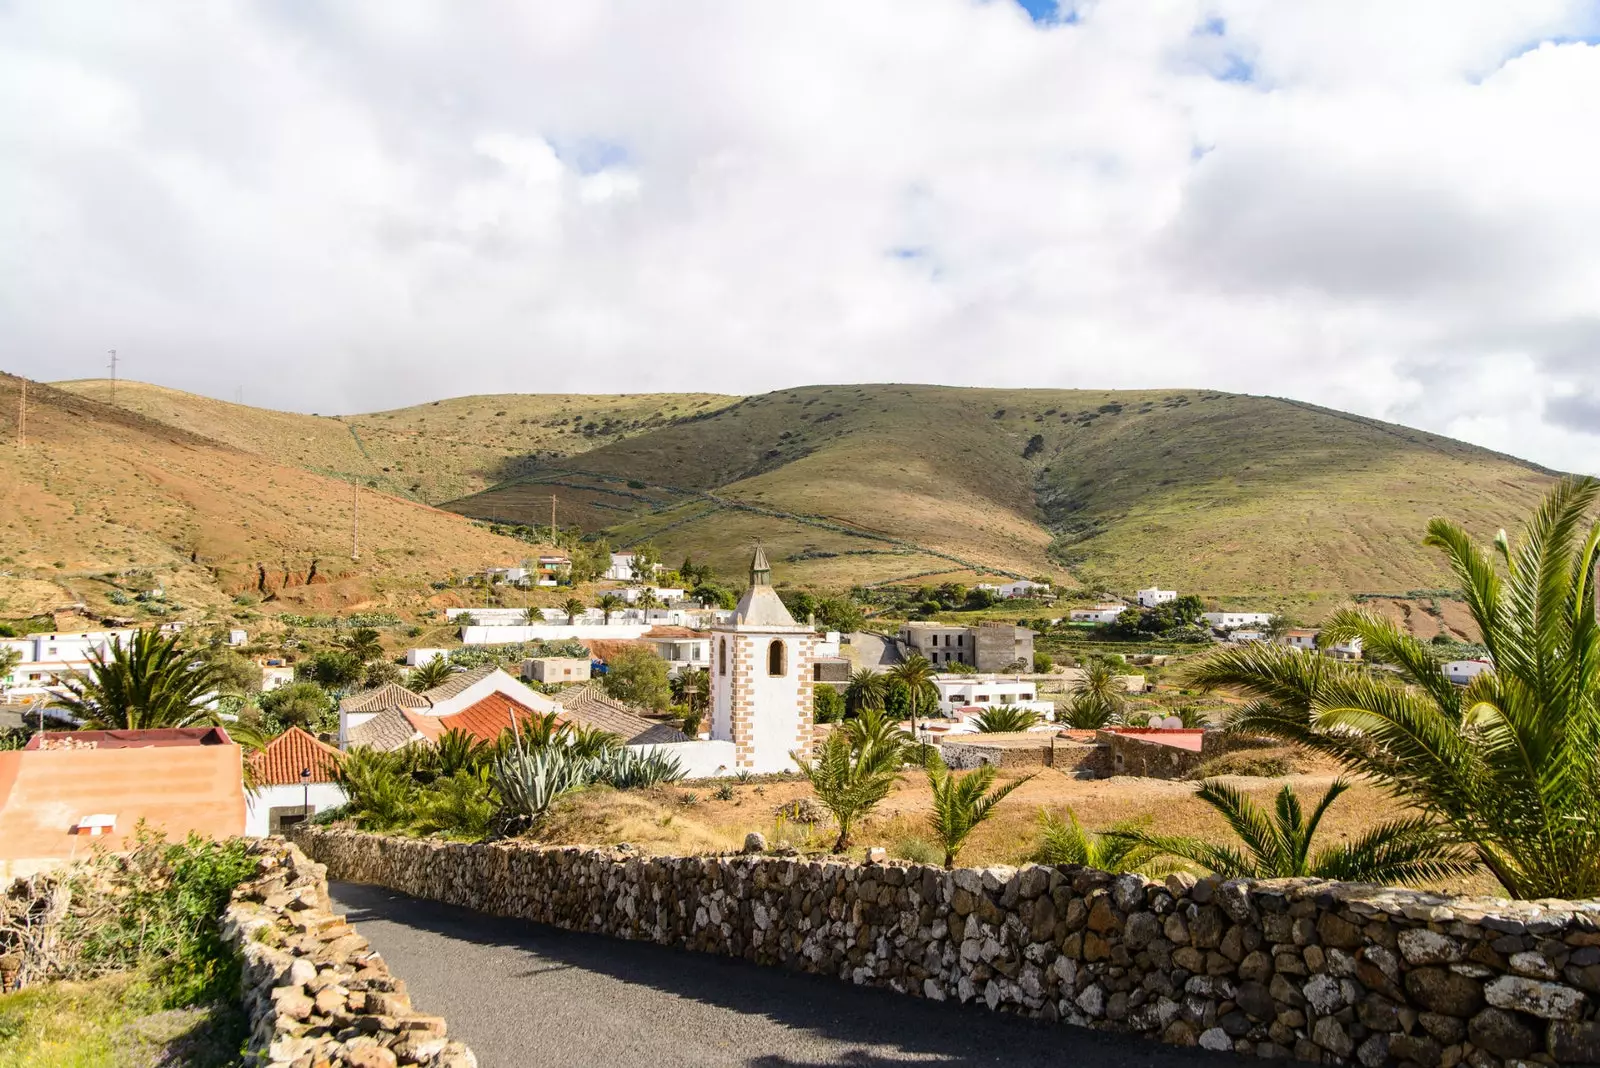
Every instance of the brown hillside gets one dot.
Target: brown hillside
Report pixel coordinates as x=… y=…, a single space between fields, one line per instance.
x=103 y=497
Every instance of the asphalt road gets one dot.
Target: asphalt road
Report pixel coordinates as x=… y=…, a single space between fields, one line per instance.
x=523 y=994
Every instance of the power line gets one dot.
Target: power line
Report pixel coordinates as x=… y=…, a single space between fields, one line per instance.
x=355 y=521
x=113 y=376
x=22 y=415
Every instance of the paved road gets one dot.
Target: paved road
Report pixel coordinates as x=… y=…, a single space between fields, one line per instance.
x=522 y=994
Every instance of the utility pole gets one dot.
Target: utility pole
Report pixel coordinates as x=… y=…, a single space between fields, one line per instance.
x=22 y=415
x=552 y=519
x=113 y=376
x=355 y=521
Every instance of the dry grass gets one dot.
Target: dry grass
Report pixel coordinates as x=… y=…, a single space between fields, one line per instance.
x=664 y=821
x=113 y=1022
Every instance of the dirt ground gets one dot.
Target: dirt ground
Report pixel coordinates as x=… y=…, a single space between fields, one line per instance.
x=689 y=818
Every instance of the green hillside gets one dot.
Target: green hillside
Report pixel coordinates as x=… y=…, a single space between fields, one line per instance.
x=1237 y=496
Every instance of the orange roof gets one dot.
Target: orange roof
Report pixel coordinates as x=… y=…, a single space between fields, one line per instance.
x=290 y=753
x=157 y=737
x=485 y=719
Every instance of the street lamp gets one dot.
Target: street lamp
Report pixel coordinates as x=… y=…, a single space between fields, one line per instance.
x=305 y=785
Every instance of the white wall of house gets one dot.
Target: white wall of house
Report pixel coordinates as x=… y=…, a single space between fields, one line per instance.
x=663 y=593
x=1151 y=597
x=1022 y=588
x=701 y=759
x=1231 y=620
x=959 y=691
x=260 y=803
x=1099 y=615
x=550 y=632
x=274 y=676
x=1462 y=672
x=418 y=657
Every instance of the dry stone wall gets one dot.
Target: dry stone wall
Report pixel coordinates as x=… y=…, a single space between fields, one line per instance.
x=1322 y=972
x=316 y=995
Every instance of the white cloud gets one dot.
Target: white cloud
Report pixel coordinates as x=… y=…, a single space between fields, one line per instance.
x=355 y=205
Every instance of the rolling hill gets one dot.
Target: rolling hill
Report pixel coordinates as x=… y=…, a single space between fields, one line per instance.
x=104 y=502
x=1240 y=497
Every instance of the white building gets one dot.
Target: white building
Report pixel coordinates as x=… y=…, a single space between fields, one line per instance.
x=761 y=679
x=294 y=780
x=624 y=567
x=664 y=594
x=1304 y=640
x=553 y=632
x=1099 y=615
x=275 y=675
x=238 y=636
x=1462 y=672
x=1247 y=634
x=1022 y=588
x=516 y=576
x=988 y=691
x=418 y=657
x=1235 y=620
x=1151 y=597
x=47 y=660
x=681 y=648
x=556 y=669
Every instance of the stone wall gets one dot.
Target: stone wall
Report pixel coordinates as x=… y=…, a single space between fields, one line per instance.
x=1329 y=972
x=1034 y=750
x=315 y=993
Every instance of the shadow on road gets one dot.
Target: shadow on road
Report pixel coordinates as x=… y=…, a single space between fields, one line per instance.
x=859 y=1026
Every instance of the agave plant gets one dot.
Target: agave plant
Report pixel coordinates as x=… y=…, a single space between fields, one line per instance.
x=529 y=780
x=1279 y=845
x=1509 y=765
x=1005 y=719
x=1066 y=841
x=629 y=769
x=961 y=802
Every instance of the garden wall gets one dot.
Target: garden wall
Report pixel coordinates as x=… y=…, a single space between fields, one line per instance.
x=1317 y=971
x=315 y=993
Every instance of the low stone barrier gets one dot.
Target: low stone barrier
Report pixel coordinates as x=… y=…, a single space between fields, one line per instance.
x=1317 y=971
x=315 y=993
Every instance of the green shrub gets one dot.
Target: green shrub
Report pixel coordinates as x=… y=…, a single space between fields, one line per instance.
x=916 y=850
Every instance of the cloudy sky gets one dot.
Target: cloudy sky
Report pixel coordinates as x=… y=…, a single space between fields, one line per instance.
x=1388 y=206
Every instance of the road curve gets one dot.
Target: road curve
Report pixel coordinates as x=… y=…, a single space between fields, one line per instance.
x=521 y=994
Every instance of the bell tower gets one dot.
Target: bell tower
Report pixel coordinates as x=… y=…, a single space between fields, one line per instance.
x=762 y=671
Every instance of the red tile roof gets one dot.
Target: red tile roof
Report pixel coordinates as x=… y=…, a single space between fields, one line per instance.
x=159 y=737
x=291 y=752
x=485 y=719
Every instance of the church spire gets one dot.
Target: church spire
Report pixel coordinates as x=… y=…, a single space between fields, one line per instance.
x=760 y=570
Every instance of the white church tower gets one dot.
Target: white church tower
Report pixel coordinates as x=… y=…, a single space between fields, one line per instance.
x=762 y=668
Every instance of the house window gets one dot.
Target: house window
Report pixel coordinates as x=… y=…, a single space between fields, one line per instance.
x=961 y=639
x=722 y=657
x=777 y=658
x=935 y=641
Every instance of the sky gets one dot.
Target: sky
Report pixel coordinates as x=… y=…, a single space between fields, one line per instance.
x=1384 y=206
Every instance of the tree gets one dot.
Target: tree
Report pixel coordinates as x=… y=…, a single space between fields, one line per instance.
x=801 y=605
x=609 y=603
x=827 y=704
x=1005 y=719
x=573 y=608
x=430 y=674
x=1278 y=846
x=866 y=689
x=977 y=599
x=1042 y=664
x=961 y=802
x=299 y=704
x=647 y=600
x=915 y=673
x=532 y=617
x=363 y=644
x=150 y=682
x=854 y=770
x=637 y=676
x=1099 y=700
x=331 y=668
x=1510 y=764
x=692 y=688
x=1065 y=841
x=380 y=673
x=840 y=614
x=235 y=674
x=709 y=593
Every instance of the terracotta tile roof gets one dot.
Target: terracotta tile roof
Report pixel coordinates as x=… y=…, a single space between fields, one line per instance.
x=281 y=762
x=389 y=729
x=455 y=684
x=485 y=719
x=157 y=737
x=590 y=707
x=423 y=724
x=389 y=695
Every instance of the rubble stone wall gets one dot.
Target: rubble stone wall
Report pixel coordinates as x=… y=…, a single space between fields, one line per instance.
x=315 y=993
x=1324 y=972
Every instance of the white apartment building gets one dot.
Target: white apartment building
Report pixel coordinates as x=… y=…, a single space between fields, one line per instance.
x=1234 y=620
x=988 y=691
x=1151 y=597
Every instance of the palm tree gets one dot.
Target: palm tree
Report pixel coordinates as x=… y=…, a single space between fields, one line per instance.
x=573 y=608
x=853 y=772
x=456 y=750
x=9 y=659
x=647 y=600
x=961 y=802
x=867 y=689
x=1278 y=846
x=150 y=682
x=876 y=732
x=1510 y=764
x=430 y=674
x=532 y=617
x=915 y=673
x=609 y=603
x=364 y=644
x=1065 y=841
x=1005 y=719
x=1099 y=700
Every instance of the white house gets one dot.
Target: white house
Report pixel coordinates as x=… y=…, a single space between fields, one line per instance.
x=1235 y=620
x=48 y=659
x=681 y=648
x=1099 y=615
x=1305 y=640
x=552 y=632
x=294 y=780
x=1151 y=597
x=238 y=636
x=1462 y=672
x=516 y=576
x=761 y=679
x=624 y=567
x=664 y=594
x=275 y=674
x=988 y=691
x=418 y=657
x=556 y=669
x=1022 y=588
